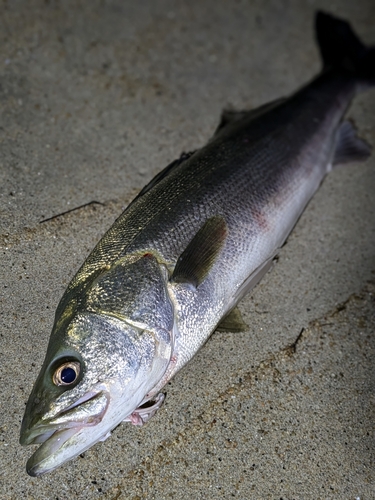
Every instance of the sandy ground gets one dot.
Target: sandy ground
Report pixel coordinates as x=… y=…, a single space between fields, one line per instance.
x=96 y=98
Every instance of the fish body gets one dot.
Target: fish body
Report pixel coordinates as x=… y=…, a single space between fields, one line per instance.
x=196 y=239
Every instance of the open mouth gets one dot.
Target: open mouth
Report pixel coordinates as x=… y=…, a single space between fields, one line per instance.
x=86 y=411
x=53 y=433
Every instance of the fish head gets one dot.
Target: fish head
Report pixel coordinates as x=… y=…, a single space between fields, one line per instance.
x=100 y=365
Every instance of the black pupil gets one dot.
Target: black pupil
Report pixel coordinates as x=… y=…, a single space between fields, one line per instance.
x=68 y=375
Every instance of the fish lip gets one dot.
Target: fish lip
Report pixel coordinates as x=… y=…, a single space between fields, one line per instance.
x=40 y=434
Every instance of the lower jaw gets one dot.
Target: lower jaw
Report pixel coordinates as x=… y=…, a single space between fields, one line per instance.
x=38 y=462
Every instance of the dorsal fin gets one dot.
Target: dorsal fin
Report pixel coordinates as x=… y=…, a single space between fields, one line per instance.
x=229 y=116
x=163 y=173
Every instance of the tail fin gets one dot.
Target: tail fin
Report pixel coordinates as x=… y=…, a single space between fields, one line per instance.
x=341 y=49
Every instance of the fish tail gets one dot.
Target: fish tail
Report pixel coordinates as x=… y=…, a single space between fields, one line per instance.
x=342 y=50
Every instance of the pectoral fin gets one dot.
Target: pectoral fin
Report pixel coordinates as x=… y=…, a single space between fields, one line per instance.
x=195 y=262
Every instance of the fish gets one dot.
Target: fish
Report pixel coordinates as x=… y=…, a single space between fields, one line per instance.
x=175 y=264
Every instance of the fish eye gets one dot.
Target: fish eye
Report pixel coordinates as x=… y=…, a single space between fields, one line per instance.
x=67 y=373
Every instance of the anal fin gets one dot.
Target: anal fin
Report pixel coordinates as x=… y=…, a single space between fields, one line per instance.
x=349 y=147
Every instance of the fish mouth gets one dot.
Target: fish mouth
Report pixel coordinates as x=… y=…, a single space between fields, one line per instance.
x=86 y=411
x=56 y=432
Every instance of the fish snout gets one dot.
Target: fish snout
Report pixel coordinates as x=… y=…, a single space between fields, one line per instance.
x=87 y=411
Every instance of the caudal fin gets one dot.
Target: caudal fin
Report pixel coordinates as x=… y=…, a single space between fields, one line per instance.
x=342 y=50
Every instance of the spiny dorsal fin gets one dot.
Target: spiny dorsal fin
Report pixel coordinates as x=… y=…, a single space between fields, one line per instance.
x=197 y=259
x=349 y=146
x=163 y=173
x=232 y=322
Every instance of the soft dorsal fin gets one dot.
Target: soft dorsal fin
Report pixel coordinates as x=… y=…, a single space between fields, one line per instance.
x=197 y=259
x=163 y=173
x=349 y=147
x=229 y=116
